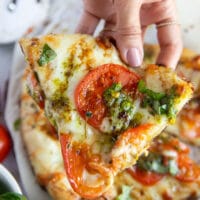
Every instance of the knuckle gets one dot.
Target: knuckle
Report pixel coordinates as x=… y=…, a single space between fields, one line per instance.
x=130 y=30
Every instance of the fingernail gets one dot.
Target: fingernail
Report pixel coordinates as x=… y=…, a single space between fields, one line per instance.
x=134 y=57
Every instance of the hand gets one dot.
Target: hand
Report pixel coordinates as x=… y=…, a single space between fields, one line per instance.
x=126 y=23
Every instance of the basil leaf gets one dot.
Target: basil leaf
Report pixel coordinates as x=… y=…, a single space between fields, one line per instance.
x=47 y=55
x=154 y=95
x=125 y=195
x=173 y=168
x=17 y=124
x=152 y=162
x=160 y=103
x=12 y=196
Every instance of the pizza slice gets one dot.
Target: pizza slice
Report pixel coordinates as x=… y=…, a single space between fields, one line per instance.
x=105 y=113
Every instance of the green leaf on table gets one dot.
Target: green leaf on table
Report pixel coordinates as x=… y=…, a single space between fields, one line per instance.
x=17 y=124
x=12 y=196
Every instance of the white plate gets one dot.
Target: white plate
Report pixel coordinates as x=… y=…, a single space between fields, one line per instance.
x=7 y=178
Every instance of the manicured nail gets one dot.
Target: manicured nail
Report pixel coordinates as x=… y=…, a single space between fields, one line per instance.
x=134 y=58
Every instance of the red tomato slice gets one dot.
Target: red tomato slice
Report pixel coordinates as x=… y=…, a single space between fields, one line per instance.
x=88 y=94
x=5 y=143
x=76 y=162
x=188 y=170
x=147 y=178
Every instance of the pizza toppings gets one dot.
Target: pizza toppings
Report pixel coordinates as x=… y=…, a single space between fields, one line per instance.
x=109 y=96
x=166 y=156
x=145 y=177
x=80 y=164
x=157 y=163
x=121 y=107
x=47 y=55
x=89 y=93
x=160 y=103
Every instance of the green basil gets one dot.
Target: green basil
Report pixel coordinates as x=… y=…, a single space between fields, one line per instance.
x=160 y=103
x=47 y=55
x=173 y=167
x=154 y=162
x=12 y=196
x=121 y=107
x=17 y=124
x=150 y=93
x=125 y=195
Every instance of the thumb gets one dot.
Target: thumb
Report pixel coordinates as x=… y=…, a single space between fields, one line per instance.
x=128 y=31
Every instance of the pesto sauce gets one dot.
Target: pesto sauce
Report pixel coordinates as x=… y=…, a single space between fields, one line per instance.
x=121 y=107
x=159 y=103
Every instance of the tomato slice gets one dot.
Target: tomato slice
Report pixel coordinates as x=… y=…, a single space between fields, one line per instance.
x=88 y=94
x=188 y=170
x=147 y=178
x=78 y=162
x=5 y=143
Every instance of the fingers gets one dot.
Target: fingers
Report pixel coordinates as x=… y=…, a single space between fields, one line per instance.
x=87 y=24
x=128 y=31
x=169 y=37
